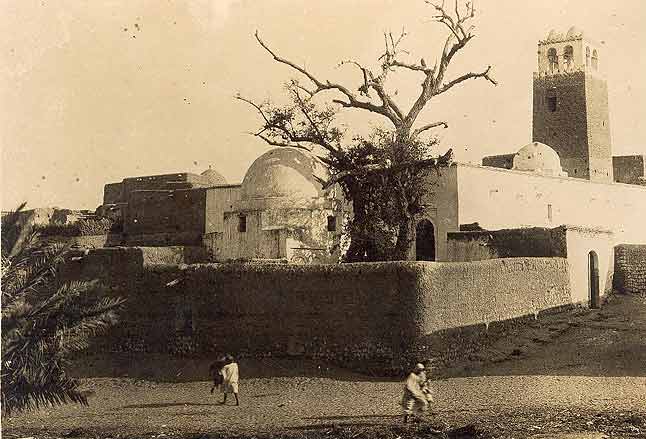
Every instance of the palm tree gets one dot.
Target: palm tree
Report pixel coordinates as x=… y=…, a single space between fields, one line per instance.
x=43 y=321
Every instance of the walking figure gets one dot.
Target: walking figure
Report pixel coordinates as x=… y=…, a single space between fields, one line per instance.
x=230 y=378
x=215 y=371
x=415 y=400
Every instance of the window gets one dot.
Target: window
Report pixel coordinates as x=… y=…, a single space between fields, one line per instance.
x=553 y=60
x=331 y=223
x=587 y=57
x=568 y=57
x=551 y=103
x=242 y=224
x=549 y=212
x=595 y=60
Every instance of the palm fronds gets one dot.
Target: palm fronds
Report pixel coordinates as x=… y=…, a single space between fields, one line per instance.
x=44 y=322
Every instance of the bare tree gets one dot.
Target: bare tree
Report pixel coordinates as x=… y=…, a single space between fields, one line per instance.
x=394 y=158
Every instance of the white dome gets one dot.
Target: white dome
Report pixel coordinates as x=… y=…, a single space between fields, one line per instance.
x=214 y=177
x=574 y=32
x=554 y=35
x=286 y=175
x=538 y=157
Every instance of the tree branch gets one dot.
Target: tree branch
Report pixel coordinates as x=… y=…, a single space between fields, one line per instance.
x=370 y=82
x=352 y=102
x=256 y=106
x=470 y=75
x=423 y=128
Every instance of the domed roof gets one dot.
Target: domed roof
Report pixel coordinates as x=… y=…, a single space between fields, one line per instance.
x=538 y=157
x=574 y=32
x=284 y=173
x=554 y=35
x=214 y=177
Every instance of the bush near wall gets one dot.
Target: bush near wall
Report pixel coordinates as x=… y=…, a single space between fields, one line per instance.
x=377 y=316
x=83 y=227
x=630 y=268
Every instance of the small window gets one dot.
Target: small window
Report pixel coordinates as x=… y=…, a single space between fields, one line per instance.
x=549 y=212
x=553 y=60
x=551 y=104
x=587 y=57
x=568 y=57
x=595 y=60
x=331 y=223
x=242 y=224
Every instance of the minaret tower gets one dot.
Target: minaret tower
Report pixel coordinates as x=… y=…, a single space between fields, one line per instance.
x=570 y=111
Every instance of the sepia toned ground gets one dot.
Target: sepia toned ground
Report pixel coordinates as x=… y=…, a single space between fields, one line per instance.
x=577 y=375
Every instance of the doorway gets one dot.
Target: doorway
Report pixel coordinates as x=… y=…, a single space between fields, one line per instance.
x=425 y=241
x=593 y=270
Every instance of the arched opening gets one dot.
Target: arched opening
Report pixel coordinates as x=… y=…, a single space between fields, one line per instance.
x=595 y=60
x=184 y=322
x=568 y=57
x=553 y=59
x=425 y=241
x=593 y=271
x=587 y=57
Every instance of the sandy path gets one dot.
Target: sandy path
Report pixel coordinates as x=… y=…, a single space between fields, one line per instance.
x=139 y=407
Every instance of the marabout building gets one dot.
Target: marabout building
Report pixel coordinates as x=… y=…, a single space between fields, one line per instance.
x=278 y=212
x=562 y=194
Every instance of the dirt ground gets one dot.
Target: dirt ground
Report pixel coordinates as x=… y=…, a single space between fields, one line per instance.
x=581 y=373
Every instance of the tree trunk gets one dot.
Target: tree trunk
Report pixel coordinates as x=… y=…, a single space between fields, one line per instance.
x=404 y=248
x=357 y=251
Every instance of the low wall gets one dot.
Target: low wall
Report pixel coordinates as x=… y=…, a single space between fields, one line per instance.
x=377 y=315
x=507 y=243
x=86 y=241
x=165 y=239
x=462 y=294
x=630 y=268
x=174 y=255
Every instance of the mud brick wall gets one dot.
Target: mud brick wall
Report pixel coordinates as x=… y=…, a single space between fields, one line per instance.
x=510 y=243
x=629 y=168
x=630 y=268
x=452 y=295
x=504 y=161
x=372 y=316
x=158 y=217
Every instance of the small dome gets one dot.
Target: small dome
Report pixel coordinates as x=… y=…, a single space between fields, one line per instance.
x=555 y=35
x=214 y=177
x=574 y=32
x=538 y=157
x=285 y=174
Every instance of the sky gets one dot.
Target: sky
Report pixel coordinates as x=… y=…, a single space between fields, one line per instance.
x=93 y=92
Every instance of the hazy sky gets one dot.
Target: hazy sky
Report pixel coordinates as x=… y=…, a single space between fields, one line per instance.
x=93 y=92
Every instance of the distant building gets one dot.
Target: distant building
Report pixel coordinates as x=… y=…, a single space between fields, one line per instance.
x=278 y=212
x=565 y=182
x=561 y=194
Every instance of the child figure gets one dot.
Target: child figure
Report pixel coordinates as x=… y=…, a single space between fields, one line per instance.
x=215 y=371
x=414 y=401
x=230 y=378
x=426 y=387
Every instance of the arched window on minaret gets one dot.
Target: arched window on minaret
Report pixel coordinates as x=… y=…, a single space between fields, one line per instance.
x=587 y=57
x=568 y=58
x=595 y=60
x=553 y=59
